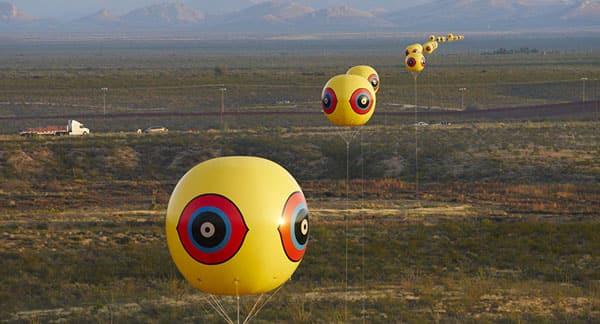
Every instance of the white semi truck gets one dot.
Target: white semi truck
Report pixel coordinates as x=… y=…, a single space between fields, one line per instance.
x=73 y=128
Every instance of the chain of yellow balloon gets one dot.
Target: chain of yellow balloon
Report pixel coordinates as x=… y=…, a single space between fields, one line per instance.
x=415 y=63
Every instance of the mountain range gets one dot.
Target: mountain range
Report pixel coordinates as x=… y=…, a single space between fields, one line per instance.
x=10 y=14
x=282 y=16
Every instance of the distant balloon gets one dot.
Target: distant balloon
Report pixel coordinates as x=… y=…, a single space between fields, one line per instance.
x=429 y=47
x=432 y=38
x=415 y=63
x=450 y=37
x=441 y=39
x=348 y=100
x=413 y=49
x=368 y=73
x=237 y=226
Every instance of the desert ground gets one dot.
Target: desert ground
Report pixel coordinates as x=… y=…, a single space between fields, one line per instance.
x=504 y=228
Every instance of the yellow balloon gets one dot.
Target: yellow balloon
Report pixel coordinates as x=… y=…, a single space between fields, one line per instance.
x=441 y=39
x=415 y=63
x=429 y=47
x=237 y=226
x=450 y=37
x=368 y=73
x=348 y=100
x=432 y=38
x=414 y=48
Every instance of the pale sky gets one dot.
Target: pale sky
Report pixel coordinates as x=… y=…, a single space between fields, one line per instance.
x=69 y=9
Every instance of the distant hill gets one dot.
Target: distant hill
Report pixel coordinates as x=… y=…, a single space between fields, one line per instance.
x=165 y=16
x=343 y=18
x=10 y=13
x=586 y=11
x=261 y=17
x=294 y=17
x=101 y=17
x=175 y=13
x=290 y=17
x=102 y=20
x=481 y=15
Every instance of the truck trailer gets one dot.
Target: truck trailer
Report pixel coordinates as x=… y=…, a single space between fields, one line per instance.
x=73 y=128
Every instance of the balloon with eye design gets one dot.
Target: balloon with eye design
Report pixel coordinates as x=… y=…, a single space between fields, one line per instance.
x=429 y=47
x=348 y=100
x=237 y=226
x=368 y=73
x=415 y=63
x=413 y=49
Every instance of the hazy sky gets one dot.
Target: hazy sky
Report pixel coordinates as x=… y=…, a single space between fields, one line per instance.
x=77 y=8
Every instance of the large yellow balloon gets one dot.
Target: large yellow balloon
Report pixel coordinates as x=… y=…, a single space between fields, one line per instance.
x=413 y=49
x=429 y=47
x=415 y=63
x=237 y=226
x=348 y=100
x=368 y=73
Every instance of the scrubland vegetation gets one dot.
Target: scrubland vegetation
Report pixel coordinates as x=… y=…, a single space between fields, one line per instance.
x=505 y=228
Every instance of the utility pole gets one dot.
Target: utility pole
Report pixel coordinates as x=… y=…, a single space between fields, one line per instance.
x=223 y=90
x=462 y=97
x=104 y=91
x=583 y=89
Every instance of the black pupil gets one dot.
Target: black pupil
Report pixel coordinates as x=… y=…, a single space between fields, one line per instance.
x=327 y=101
x=374 y=82
x=363 y=101
x=411 y=62
x=301 y=237
x=202 y=227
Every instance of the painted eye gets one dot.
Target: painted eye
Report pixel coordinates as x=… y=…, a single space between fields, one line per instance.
x=328 y=101
x=374 y=79
x=361 y=101
x=423 y=61
x=407 y=52
x=211 y=229
x=295 y=227
x=411 y=62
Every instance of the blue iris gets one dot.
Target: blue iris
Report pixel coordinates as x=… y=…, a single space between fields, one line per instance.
x=298 y=211
x=221 y=215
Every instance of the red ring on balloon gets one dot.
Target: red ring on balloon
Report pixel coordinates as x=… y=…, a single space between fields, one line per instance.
x=354 y=98
x=227 y=209
x=287 y=229
x=333 y=104
x=411 y=62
